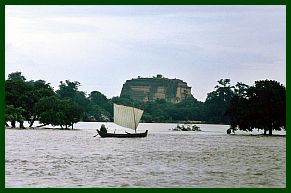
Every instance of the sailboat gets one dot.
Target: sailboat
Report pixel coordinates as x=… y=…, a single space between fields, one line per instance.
x=128 y=117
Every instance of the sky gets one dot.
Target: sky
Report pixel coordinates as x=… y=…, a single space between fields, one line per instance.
x=103 y=46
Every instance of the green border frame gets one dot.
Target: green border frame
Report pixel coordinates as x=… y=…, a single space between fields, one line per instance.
x=145 y=2
x=126 y=2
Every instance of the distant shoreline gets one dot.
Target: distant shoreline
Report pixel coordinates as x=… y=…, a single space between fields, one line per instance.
x=41 y=128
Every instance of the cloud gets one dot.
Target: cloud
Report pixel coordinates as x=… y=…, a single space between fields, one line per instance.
x=199 y=44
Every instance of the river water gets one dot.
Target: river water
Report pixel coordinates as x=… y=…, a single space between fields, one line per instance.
x=165 y=158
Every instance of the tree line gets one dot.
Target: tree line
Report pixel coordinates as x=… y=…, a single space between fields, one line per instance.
x=244 y=107
x=37 y=100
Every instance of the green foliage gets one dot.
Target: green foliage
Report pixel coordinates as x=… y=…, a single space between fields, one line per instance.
x=162 y=111
x=103 y=107
x=16 y=76
x=27 y=95
x=14 y=90
x=56 y=111
x=21 y=93
x=157 y=111
x=16 y=99
x=218 y=101
x=126 y=100
x=262 y=106
x=39 y=89
x=14 y=114
x=68 y=89
x=17 y=95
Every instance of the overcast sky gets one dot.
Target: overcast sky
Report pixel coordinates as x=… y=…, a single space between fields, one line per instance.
x=103 y=46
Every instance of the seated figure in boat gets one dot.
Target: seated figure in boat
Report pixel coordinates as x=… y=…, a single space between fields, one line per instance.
x=103 y=129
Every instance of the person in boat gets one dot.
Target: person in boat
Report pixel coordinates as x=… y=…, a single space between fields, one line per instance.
x=103 y=129
x=228 y=131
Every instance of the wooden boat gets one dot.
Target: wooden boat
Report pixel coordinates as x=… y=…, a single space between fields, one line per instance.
x=120 y=135
x=128 y=117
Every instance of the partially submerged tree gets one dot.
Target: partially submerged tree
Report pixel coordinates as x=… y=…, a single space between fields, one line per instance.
x=39 y=90
x=262 y=106
x=55 y=111
x=14 y=115
x=16 y=90
x=69 y=90
x=21 y=93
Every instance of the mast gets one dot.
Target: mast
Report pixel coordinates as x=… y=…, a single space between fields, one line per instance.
x=134 y=120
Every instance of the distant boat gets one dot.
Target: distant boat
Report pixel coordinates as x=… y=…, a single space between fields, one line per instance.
x=128 y=117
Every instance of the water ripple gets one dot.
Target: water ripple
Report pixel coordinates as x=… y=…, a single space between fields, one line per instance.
x=54 y=158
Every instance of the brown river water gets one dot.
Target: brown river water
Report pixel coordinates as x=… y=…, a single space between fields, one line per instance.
x=203 y=159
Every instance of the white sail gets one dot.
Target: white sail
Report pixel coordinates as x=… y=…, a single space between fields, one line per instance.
x=128 y=117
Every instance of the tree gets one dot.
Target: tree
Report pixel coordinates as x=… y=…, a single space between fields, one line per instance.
x=16 y=98
x=157 y=111
x=269 y=99
x=25 y=94
x=126 y=100
x=102 y=105
x=16 y=76
x=262 y=106
x=39 y=89
x=68 y=89
x=218 y=101
x=14 y=115
x=71 y=111
x=237 y=110
x=190 y=109
x=14 y=89
x=56 y=111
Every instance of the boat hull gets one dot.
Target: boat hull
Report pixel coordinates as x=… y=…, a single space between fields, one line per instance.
x=126 y=135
